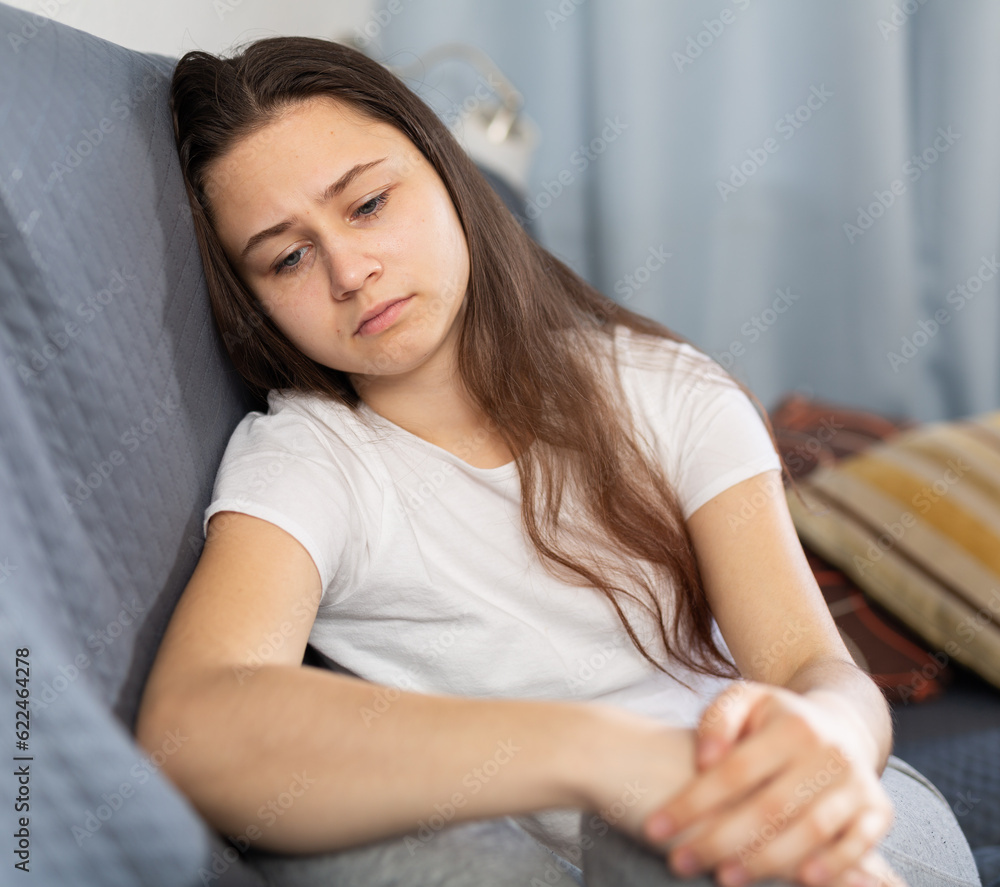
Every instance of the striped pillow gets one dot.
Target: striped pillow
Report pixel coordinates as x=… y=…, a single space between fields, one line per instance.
x=915 y=522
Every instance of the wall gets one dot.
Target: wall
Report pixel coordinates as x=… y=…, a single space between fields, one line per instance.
x=213 y=25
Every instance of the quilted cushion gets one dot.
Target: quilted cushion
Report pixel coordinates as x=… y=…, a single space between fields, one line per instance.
x=117 y=403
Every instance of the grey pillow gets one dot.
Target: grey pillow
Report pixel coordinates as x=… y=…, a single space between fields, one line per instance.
x=116 y=402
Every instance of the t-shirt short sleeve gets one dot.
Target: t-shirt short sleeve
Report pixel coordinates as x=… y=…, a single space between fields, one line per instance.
x=277 y=469
x=709 y=434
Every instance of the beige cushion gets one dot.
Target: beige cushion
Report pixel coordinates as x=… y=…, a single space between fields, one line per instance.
x=916 y=523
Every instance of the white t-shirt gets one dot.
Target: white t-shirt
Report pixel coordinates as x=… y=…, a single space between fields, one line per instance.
x=429 y=584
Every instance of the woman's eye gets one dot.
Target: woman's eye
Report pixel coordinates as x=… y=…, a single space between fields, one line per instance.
x=290 y=261
x=371 y=207
x=368 y=210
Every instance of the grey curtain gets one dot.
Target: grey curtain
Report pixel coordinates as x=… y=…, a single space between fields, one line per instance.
x=825 y=177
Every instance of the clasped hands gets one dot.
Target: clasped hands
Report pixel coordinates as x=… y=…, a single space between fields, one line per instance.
x=782 y=790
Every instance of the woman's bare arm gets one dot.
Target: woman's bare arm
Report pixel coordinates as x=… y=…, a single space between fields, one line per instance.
x=299 y=759
x=804 y=738
x=772 y=612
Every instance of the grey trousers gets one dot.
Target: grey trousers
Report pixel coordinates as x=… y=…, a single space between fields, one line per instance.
x=925 y=846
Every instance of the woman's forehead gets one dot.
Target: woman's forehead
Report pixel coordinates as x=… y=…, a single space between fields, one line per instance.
x=328 y=123
x=323 y=103
x=327 y=116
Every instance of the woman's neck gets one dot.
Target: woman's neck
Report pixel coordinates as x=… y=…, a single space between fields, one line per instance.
x=434 y=405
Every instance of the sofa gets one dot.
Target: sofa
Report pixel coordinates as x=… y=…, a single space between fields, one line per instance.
x=117 y=401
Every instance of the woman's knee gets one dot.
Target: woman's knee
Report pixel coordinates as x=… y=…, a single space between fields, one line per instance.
x=613 y=859
x=925 y=845
x=469 y=854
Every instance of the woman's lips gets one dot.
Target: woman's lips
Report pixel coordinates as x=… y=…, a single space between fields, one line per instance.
x=383 y=320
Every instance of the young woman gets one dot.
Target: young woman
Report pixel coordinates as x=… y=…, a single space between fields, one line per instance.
x=549 y=535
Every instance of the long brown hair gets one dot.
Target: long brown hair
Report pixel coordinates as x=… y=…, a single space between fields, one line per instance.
x=534 y=337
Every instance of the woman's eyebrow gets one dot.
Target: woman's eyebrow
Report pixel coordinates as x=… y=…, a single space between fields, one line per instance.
x=331 y=191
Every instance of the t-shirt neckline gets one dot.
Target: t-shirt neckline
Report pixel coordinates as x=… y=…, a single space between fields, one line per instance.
x=500 y=471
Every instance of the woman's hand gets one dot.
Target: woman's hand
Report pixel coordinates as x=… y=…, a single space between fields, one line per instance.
x=630 y=766
x=784 y=789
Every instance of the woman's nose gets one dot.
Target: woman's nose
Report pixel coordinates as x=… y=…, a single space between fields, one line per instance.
x=352 y=265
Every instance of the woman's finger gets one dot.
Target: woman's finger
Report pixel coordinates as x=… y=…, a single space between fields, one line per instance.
x=723 y=719
x=781 y=847
x=746 y=835
x=845 y=852
x=871 y=871
x=748 y=766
